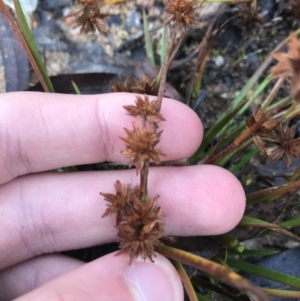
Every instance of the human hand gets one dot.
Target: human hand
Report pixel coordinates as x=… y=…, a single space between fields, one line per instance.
x=46 y=212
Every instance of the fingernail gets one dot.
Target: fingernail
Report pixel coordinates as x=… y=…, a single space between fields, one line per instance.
x=151 y=281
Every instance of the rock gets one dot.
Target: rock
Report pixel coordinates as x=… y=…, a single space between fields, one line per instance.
x=285 y=262
x=219 y=61
x=52 y=4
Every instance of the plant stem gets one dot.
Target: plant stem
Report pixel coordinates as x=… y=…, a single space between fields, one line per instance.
x=185 y=280
x=161 y=77
x=273 y=93
x=245 y=135
x=220 y=271
x=144 y=181
x=172 y=56
x=24 y=44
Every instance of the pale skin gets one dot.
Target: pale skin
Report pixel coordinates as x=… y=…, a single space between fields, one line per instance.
x=44 y=212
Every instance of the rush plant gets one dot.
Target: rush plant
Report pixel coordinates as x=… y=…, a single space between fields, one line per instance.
x=138 y=218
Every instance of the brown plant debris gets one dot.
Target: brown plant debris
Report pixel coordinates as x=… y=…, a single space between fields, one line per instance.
x=141 y=147
x=265 y=129
x=89 y=17
x=133 y=85
x=145 y=109
x=141 y=228
x=281 y=144
x=289 y=65
x=126 y=87
x=183 y=13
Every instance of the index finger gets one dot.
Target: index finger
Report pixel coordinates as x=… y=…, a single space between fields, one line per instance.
x=41 y=131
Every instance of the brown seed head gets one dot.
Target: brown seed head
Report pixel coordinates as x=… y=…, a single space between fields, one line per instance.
x=141 y=146
x=141 y=229
x=249 y=19
x=89 y=18
x=145 y=109
x=182 y=12
x=281 y=144
x=126 y=87
x=145 y=86
x=117 y=201
x=289 y=65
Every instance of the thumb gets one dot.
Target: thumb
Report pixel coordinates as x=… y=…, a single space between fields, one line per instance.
x=111 y=278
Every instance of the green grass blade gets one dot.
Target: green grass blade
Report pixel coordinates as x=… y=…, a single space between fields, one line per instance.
x=233 y=133
x=254 y=222
x=272 y=193
x=164 y=45
x=287 y=224
x=214 y=131
x=202 y=298
x=32 y=46
x=246 y=158
x=76 y=89
x=291 y=223
x=213 y=286
x=231 y=252
x=228 y=156
x=248 y=86
x=282 y=293
x=148 y=41
x=216 y=270
x=185 y=280
x=227 y=240
x=70 y=169
x=255 y=94
x=264 y=272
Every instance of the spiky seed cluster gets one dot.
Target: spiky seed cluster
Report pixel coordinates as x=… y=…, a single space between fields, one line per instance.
x=138 y=219
x=145 y=109
x=139 y=225
x=141 y=147
x=141 y=229
x=280 y=143
x=289 y=65
x=133 y=85
x=89 y=17
x=182 y=12
x=117 y=201
x=250 y=19
x=146 y=85
x=126 y=87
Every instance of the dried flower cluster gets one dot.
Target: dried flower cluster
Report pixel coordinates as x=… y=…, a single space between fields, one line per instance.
x=145 y=109
x=183 y=13
x=141 y=147
x=139 y=222
x=279 y=143
x=249 y=19
x=289 y=65
x=138 y=218
x=133 y=85
x=89 y=17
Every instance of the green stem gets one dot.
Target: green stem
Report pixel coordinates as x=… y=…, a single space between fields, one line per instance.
x=25 y=46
